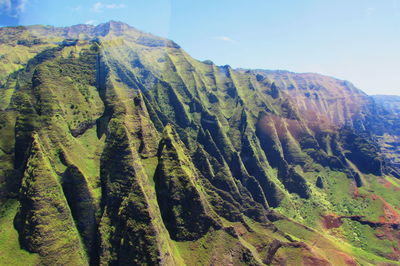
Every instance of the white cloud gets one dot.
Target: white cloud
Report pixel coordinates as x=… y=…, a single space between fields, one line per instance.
x=21 y=6
x=5 y=5
x=99 y=6
x=91 y=22
x=225 y=39
x=370 y=11
x=13 y=8
x=75 y=8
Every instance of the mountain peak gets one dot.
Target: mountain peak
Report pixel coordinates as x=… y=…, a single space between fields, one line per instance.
x=110 y=29
x=115 y=27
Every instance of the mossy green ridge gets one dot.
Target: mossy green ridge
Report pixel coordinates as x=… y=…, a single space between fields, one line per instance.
x=126 y=232
x=118 y=148
x=44 y=220
x=183 y=205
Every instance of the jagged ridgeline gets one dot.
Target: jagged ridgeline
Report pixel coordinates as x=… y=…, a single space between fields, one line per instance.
x=118 y=148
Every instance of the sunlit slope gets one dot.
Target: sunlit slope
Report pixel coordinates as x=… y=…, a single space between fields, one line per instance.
x=117 y=147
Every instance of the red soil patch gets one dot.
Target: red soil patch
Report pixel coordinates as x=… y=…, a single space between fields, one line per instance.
x=331 y=221
x=387 y=184
x=347 y=259
x=382 y=219
x=356 y=193
x=391 y=215
x=374 y=197
x=314 y=261
x=334 y=221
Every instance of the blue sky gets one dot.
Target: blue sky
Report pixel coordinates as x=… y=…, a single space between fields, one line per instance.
x=357 y=40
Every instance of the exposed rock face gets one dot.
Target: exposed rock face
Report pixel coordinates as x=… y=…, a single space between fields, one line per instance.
x=320 y=182
x=386 y=129
x=124 y=150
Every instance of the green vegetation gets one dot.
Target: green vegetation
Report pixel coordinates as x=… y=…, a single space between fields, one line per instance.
x=117 y=147
x=10 y=250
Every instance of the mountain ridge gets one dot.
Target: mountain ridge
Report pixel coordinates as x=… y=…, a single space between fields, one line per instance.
x=153 y=157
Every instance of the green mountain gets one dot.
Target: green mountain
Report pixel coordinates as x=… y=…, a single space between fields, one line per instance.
x=118 y=148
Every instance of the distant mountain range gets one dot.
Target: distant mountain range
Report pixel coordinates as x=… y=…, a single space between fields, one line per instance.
x=118 y=148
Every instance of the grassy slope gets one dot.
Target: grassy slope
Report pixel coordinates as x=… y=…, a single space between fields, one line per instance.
x=11 y=252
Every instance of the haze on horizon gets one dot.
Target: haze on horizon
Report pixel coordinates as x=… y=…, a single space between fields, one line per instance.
x=356 y=40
